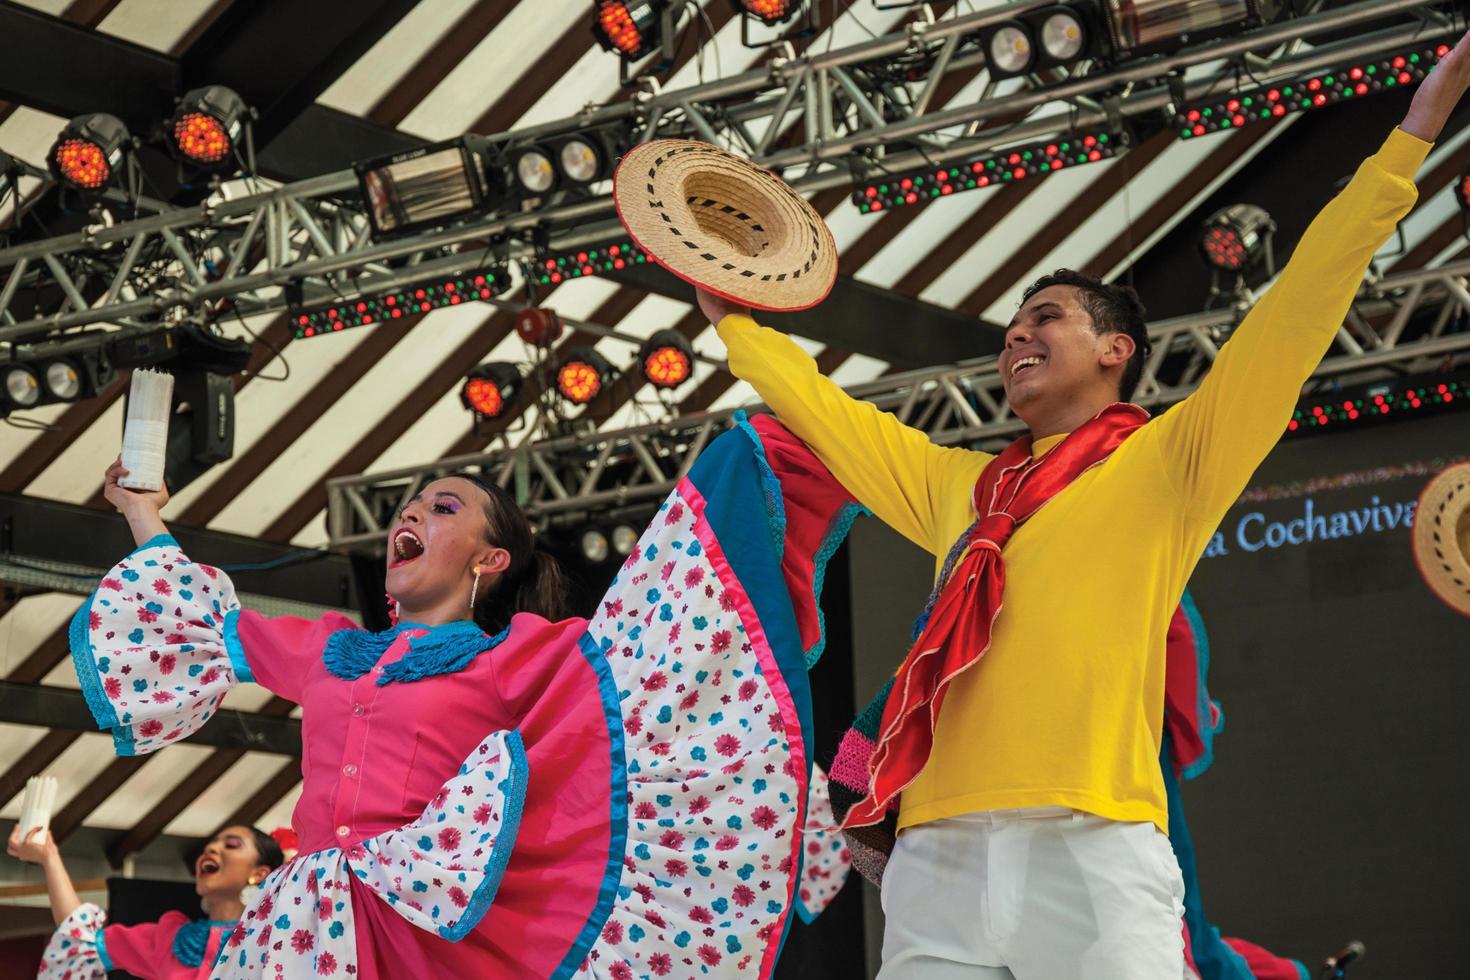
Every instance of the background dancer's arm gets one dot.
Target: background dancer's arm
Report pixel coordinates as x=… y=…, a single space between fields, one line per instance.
x=163 y=639
x=1213 y=441
x=891 y=468
x=39 y=847
x=139 y=507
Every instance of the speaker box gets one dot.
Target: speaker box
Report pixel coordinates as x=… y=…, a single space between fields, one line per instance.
x=202 y=430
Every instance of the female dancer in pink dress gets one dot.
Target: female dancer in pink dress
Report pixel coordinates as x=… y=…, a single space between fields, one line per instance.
x=489 y=789
x=232 y=863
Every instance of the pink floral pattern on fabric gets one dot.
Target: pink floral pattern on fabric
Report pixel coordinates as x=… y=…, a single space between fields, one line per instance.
x=299 y=925
x=72 y=952
x=149 y=648
x=715 y=799
x=439 y=872
x=826 y=861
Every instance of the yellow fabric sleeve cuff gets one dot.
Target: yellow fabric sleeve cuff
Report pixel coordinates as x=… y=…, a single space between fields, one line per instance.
x=735 y=324
x=1403 y=154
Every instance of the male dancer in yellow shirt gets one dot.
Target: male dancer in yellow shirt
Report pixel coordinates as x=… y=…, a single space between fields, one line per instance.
x=1032 y=841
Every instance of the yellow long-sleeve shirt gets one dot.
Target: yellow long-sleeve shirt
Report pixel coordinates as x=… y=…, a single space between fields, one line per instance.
x=1066 y=708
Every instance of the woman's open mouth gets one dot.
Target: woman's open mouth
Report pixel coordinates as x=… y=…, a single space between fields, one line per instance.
x=206 y=866
x=406 y=547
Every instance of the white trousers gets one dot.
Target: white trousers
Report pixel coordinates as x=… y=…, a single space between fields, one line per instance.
x=1038 y=894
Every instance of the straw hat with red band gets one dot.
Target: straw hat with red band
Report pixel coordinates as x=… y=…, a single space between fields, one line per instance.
x=720 y=222
x=1442 y=537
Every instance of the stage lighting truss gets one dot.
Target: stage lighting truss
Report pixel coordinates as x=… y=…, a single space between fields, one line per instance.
x=1237 y=239
x=1055 y=36
x=1143 y=27
x=1344 y=83
x=432 y=186
x=1395 y=325
x=11 y=171
x=845 y=109
x=771 y=15
x=41 y=378
x=666 y=359
x=491 y=389
x=90 y=152
x=989 y=170
x=538 y=326
x=595 y=547
x=582 y=374
x=1381 y=403
x=573 y=162
x=211 y=131
x=624 y=539
x=556 y=268
x=384 y=307
x=636 y=30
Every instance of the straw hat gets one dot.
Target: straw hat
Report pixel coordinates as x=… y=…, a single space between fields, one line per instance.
x=1442 y=537
x=720 y=222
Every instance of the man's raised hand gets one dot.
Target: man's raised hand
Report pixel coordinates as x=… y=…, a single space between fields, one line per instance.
x=1439 y=93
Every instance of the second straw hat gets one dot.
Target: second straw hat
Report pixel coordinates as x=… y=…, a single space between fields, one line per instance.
x=1442 y=537
x=718 y=221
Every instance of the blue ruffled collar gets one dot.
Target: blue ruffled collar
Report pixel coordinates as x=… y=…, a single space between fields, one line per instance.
x=444 y=649
x=192 y=940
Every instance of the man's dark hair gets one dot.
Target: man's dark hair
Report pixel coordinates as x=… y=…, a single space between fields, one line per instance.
x=1114 y=309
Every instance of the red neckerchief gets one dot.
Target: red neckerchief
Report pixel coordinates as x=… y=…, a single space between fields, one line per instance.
x=1011 y=489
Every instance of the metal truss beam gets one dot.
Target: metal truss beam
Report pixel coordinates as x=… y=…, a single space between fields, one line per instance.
x=50 y=546
x=265 y=50
x=861 y=318
x=65 y=709
x=309 y=240
x=67 y=69
x=1400 y=322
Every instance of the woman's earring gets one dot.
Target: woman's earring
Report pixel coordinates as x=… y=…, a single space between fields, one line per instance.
x=248 y=893
x=475 y=589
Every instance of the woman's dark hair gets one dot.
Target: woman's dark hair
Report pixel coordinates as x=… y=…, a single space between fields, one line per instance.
x=533 y=582
x=267 y=851
x=1114 y=309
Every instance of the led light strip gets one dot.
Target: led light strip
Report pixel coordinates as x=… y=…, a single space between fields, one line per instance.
x=990 y=170
x=420 y=299
x=557 y=268
x=1378 y=403
x=1312 y=92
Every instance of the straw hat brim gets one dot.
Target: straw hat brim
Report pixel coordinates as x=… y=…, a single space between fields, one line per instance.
x=1442 y=554
x=720 y=222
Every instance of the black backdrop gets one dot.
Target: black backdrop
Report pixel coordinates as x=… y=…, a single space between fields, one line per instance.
x=1333 y=810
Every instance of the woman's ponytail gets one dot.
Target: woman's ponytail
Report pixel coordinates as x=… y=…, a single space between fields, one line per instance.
x=543 y=589
x=534 y=581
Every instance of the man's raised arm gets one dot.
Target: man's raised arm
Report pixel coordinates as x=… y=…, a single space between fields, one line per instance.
x=892 y=469
x=1214 y=440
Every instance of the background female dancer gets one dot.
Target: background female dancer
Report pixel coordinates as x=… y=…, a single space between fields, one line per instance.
x=514 y=794
x=232 y=864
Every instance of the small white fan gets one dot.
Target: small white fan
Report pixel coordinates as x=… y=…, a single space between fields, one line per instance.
x=37 y=802
x=145 y=437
